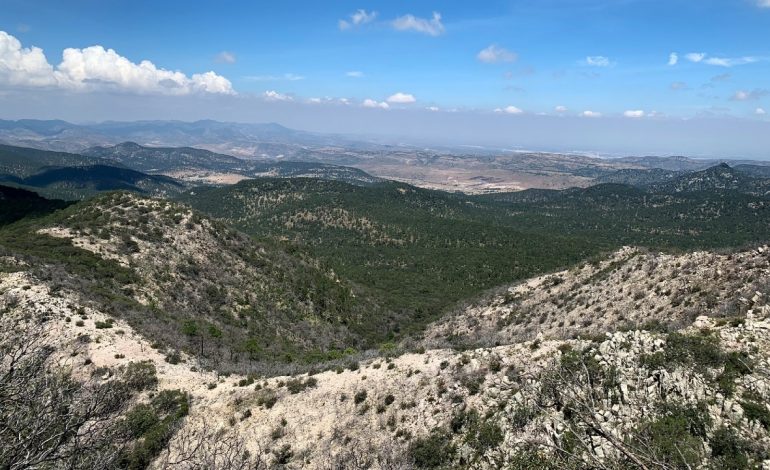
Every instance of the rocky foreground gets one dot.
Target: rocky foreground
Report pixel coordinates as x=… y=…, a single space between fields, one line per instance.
x=565 y=386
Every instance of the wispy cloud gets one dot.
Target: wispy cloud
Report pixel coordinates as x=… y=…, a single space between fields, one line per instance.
x=673 y=58
x=597 y=61
x=752 y=95
x=760 y=112
x=401 y=98
x=225 y=57
x=290 y=77
x=509 y=110
x=358 y=18
x=272 y=95
x=634 y=113
x=354 y=74
x=763 y=3
x=561 y=109
x=702 y=57
x=370 y=103
x=494 y=53
x=678 y=86
x=431 y=27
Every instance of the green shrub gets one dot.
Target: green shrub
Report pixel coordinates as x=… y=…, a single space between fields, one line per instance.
x=173 y=357
x=100 y=325
x=676 y=437
x=152 y=426
x=434 y=451
x=266 y=397
x=755 y=411
x=359 y=397
x=728 y=451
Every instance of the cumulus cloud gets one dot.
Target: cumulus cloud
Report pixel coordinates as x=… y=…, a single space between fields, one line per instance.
x=26 y=67
x=752 y=95
x=433 y=108
x=634 y=113
x=225 y=57
x=673 y=58
x=760 y=111
x=561 y=109
x=509 y=110
x=370 y=103
x=272 y=95
x=431 y=27
x=358 y=18
x=354 y=74
x=97 y=68
x=598 y=61
x=401 y=98
x=591 y=114
x=494 y=53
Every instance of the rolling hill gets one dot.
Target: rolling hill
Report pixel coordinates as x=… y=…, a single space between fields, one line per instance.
x=420 y=251
x=16 y=204
x=168 y=270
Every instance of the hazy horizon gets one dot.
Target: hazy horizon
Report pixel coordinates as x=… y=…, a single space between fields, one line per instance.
x=618 y=78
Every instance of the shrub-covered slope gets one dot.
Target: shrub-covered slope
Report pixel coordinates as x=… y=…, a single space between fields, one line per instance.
x=16 y=204
x=644 y=398
x=191 y=283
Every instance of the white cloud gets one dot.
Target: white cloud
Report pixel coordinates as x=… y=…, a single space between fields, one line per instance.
x=673 y=58
x=431 y=27
x=370 y=103
x=433 y=108
x=358 y=18
x=695 y=56
x=354 y=74
x=401 y=98
x=591 y=114
x=291 y=77
x=26 y=67
x=702 y=57
x=753 y=95
x=494 y=53
x=634 y=113
x=314 y=100
x=561 y=109
x=761 y=111
x=509 y=110
x=598 y=61
x=272 y=95
x=763 y=3
x=97 y=68
x=730 y=61
x=225 y=57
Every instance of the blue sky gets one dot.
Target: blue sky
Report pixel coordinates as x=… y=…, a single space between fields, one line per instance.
x=572 y=58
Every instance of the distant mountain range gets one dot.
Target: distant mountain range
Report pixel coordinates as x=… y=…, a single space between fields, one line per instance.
x=239 y=138
x=152 y=171
x=224 y=152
